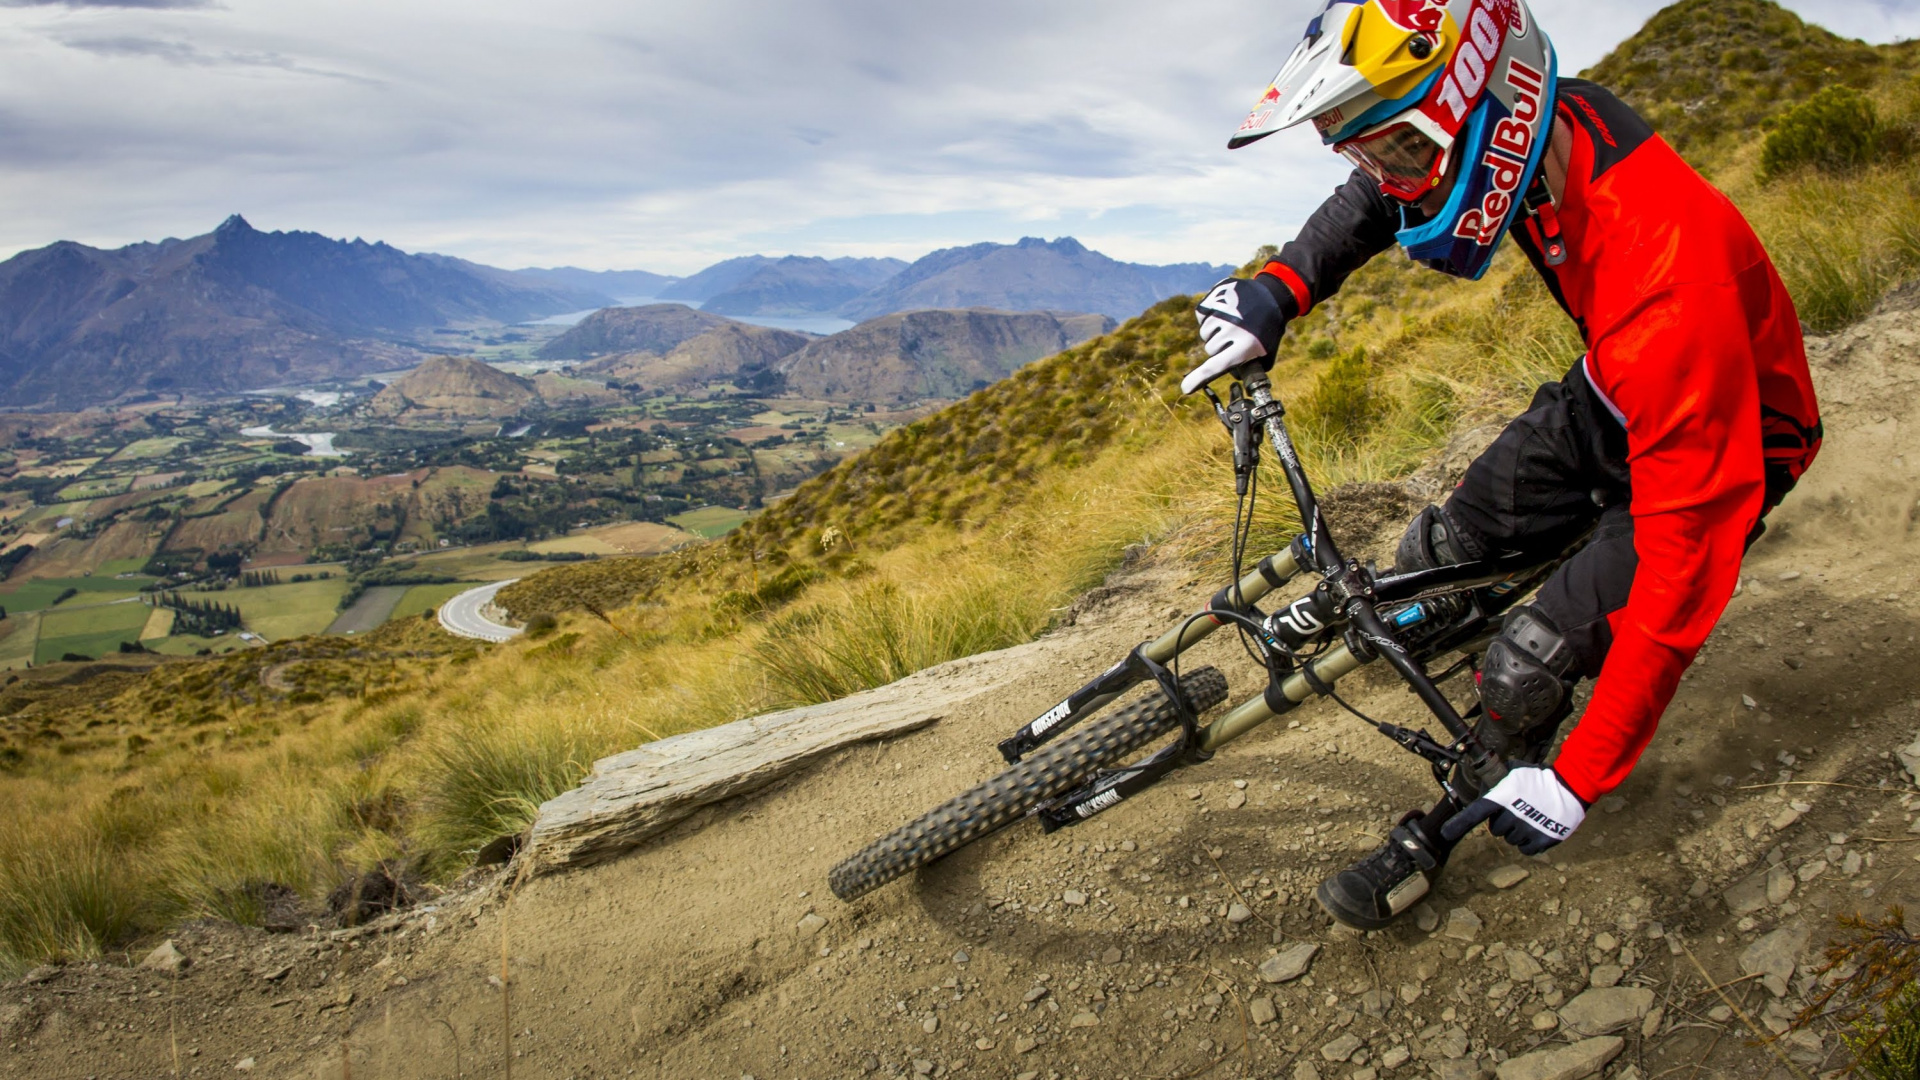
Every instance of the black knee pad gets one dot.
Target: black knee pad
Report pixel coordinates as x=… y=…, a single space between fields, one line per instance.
x=1523 y=677
x=1432 y=539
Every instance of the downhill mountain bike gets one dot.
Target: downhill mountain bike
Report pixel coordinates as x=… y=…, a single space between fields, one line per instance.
x=1065 y=766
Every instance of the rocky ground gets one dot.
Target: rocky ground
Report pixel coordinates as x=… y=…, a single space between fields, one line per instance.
x=1174 y=936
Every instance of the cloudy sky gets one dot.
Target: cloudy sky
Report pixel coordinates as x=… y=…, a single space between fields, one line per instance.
x=640 y=134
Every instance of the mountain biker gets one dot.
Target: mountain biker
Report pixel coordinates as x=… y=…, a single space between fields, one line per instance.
x=1689 y=418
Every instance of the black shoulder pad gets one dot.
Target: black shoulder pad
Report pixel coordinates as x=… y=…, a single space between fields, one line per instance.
x=1615 y=128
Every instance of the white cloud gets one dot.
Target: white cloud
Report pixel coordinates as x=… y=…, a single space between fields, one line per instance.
x=659 y=135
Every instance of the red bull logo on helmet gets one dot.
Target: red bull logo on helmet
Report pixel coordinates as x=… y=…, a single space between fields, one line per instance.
x=1508 y=152
x=1426 y=16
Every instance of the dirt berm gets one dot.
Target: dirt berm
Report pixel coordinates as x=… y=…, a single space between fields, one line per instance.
x=1116 y=950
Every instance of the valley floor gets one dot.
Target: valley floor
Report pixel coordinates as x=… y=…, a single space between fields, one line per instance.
x=1107 y=951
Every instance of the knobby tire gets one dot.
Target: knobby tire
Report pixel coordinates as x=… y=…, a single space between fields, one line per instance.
x=1049 y=772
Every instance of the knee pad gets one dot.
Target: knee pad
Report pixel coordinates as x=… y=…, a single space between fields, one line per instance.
x=1523 y=677
x=1433 y=539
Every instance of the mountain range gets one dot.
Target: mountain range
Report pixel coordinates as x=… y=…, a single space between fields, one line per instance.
x=897 y=358
x=1032 y=275
x=240 y=309
x=237 y=309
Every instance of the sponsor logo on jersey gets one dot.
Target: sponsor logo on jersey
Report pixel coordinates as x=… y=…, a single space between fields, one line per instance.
x=1506 y=159
x=1426 y=15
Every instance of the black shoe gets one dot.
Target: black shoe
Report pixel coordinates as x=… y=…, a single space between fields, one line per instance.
x=1372 y=892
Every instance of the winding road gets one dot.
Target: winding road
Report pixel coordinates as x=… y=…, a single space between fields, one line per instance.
x=462 y=614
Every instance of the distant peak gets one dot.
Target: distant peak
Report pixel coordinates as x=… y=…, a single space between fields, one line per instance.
x=234 y=224
x=1067 y=245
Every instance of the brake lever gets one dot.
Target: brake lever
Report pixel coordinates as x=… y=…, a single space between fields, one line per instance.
x=1236 y=415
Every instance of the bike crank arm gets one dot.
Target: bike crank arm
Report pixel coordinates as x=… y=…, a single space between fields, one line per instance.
x=1269 y=574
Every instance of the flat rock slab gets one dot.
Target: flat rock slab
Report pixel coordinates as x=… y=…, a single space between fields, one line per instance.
x=1777 y=954
x=1598 y=1012
x=629 y=798
x=1289 y=965
x=1584 y=1058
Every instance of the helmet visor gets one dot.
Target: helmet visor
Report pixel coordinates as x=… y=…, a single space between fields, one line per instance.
x=1404 y=160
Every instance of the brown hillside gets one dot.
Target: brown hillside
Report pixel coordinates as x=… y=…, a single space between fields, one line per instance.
x=654 y=328
x=932 y=354
x=454 y=388
x=723 y=352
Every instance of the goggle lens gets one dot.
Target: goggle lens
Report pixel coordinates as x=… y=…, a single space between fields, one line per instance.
x=1402 y=159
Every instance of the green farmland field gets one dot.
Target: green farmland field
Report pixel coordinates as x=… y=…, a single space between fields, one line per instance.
x=710 y=521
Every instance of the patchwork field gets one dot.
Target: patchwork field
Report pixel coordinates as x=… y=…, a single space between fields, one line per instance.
x=710 y=521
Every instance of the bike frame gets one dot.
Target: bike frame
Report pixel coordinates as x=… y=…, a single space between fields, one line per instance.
x=1348 y=595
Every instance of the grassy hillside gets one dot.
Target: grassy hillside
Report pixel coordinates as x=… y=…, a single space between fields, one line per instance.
x=239 y=786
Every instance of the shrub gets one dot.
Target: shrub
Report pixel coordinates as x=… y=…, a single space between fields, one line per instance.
x=1835 y=130
x=1344 y=403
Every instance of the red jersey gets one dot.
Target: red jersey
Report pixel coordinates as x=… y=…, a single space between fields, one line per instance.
x=1693 y=343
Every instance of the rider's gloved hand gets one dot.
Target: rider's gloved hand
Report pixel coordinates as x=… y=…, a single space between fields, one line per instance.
x=1531 y=808
x=1241 y=320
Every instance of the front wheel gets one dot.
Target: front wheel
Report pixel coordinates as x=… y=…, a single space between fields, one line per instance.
x=1049 y=772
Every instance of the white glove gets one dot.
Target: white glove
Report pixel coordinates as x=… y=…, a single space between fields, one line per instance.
x=1241 y=321
x=1531 y=808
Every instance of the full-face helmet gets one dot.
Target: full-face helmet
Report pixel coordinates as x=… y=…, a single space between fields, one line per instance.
x=1409 y=90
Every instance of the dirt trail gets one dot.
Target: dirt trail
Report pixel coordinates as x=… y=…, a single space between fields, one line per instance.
x=1106 y=951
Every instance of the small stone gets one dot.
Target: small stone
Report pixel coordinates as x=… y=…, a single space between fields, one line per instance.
x=1779 y=885
x=1584 y=1058
x=1777 y=953
x=1083 y=1020
x=1238 y=913
x=1449 y=1045
x=1424 y=917
x=1305 y=1070
x=1784 y=819
x=1035 y=994
x=1128 y=845
x=276 y=974
x=1289 y=965
x=922 y=1067
x=1113 y=955
x=1910 y=757
x=1410 y=992
x=1341 y=1048
x=1851 y=865
x=1024 y=1044
x=1613 y=804
x=1720 y=1014
x=961 y=958
x=1545 y=1020
x=810 y=925
x=1074 y=898
x=1236 y=800
x=1788 y=575
x=1606 y=975
x=1812 y=870
x=1521 y=967
x=170 y=960
x=245 y=1064
x=1462 y=925
x=1465 y=1068
x=1605 y=942
x=1604 y=1010
x=1506 y=877
x=931 y=1025
x=1261 y=1011
x=1651 y=1025
x=1395 y=1057
x=983 y=1044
